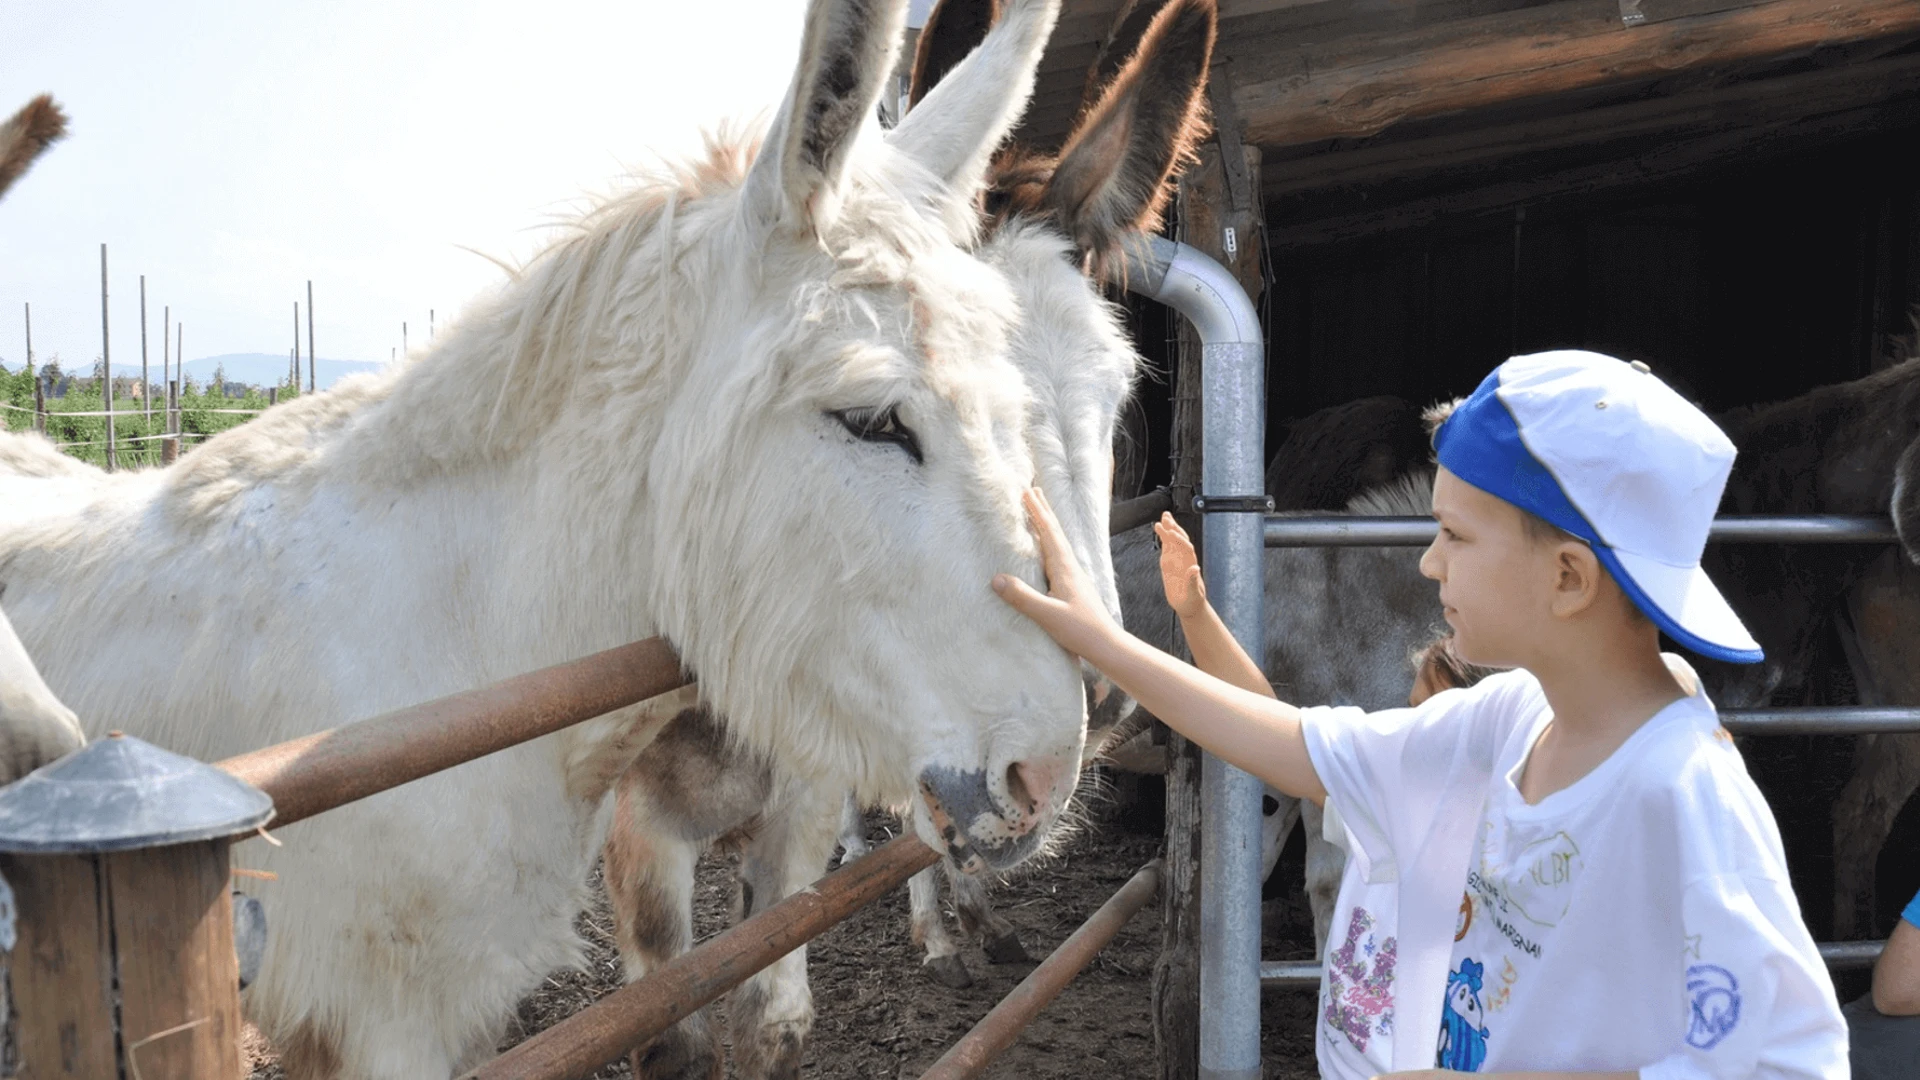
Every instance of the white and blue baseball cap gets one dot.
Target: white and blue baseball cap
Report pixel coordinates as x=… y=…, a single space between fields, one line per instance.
x=1611 y=454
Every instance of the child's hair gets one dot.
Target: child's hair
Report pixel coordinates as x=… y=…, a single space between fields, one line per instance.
x=1443 y=669
x=1540 y=530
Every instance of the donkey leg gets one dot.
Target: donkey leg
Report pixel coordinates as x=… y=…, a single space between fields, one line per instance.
x=649 y=876
x=1882 y=640
x=853 y=830
x=772 y=1012
x=930 y=932
x=978 y=919
x=1325 y=865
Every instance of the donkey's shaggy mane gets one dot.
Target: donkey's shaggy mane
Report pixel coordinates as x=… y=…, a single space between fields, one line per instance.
x=569 y=322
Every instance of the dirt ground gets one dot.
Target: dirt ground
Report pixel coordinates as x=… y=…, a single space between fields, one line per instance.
x=878 y=1016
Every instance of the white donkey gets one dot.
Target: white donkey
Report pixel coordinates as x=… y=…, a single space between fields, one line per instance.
x=764 y=407
x=1106 y=189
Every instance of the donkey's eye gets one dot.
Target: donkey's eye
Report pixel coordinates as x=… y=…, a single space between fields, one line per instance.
x=880 y=423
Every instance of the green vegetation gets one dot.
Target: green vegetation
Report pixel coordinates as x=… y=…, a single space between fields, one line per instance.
x=84 y=437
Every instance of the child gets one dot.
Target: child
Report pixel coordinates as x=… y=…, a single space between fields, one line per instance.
x=1586 y=880
x=1885 y=1025
x=1437 y=667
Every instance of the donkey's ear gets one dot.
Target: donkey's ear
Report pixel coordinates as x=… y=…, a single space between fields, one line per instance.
x=1115 y=171
x=954 y=29
x=1122 y=42
x=846 y=56
x=967 y=115
x=25 y=134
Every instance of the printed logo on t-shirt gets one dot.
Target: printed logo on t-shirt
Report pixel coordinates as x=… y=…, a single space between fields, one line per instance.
x=1463 y=1032
x=1541 y=883
x=1714 y=996
x=1465 y=921
x=1359 y=996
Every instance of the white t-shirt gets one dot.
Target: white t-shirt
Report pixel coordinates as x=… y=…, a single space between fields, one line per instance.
x=1639 y=919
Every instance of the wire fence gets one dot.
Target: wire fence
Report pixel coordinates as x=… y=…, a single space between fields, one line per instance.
x=78 y=422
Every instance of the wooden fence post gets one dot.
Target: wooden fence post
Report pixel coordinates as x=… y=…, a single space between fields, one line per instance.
x=1219 y=213
x=125 y=964
x=312 y=366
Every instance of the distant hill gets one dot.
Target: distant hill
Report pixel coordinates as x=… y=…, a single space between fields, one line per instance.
x=257 y=369
x=264 y=369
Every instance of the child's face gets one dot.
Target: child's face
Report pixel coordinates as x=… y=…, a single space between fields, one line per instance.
x=1495 y=581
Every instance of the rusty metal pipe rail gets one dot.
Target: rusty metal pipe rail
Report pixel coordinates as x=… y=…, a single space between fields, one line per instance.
x=1839 y=955
x=315 y=773
x=638 y=1012
x=1354 y=531
x=1003 y=1024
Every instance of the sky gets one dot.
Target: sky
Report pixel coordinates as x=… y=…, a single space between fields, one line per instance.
x=233 y=151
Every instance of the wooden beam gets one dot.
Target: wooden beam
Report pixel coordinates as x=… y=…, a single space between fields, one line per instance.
x=1666 y=162
x=1359 y=85
x=1724 y=110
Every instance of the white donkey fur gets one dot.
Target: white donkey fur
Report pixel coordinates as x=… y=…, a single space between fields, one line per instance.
x=636 y=435
x=35 y=727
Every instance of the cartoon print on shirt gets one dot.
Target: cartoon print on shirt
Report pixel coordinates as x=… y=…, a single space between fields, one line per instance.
x=1714 y=996
x=1359 y=994
x=1465 y=921
x=1463 y=1038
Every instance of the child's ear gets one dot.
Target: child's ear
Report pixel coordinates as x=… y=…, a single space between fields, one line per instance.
x=1579 y=579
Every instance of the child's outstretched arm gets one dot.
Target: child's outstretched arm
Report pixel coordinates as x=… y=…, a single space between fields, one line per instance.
x=1258 y=734
x=1214 y=649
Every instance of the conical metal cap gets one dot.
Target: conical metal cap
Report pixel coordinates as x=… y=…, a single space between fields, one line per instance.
x=121 y=793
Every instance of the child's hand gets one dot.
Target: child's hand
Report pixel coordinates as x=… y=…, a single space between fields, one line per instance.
x=1071 y=612
x=1180 y=569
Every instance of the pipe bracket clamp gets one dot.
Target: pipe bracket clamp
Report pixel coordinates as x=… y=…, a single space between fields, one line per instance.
x=1233 y=504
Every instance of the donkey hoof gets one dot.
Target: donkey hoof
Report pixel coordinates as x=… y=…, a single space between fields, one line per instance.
x=948 y=971
x=1006 y=949
x=772 y=1053
x=676 y=1056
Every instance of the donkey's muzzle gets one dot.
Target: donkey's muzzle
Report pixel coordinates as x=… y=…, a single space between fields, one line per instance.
x=995 y=818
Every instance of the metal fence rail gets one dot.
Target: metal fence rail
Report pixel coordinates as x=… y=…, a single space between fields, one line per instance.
x=315 y=773
x=996 y=1031
x=1325 y=530
x=1822 y=720
x=1329 y=530
x=637 y=1013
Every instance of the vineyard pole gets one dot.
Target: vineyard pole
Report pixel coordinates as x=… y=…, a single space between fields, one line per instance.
x=106 y=357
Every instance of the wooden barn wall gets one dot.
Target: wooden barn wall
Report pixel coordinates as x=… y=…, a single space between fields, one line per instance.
x=1749 y=285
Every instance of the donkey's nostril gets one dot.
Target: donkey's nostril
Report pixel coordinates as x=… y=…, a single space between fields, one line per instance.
x=1018 y=789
